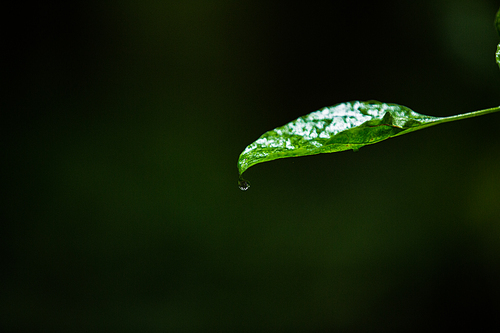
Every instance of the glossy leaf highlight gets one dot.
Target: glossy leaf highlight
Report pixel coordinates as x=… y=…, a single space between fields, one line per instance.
x=498 y=55
x=497 y=25
x=344 y=126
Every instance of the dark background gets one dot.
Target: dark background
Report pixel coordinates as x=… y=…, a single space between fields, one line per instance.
x=124 y=122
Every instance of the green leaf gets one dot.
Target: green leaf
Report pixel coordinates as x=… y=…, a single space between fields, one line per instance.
x=497 y=25
x=344 y=126
x=498 y=55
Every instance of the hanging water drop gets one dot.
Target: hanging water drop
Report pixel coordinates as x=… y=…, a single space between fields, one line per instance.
x=243 y=184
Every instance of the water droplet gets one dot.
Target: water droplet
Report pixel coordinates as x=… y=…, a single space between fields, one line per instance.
x=243 y=184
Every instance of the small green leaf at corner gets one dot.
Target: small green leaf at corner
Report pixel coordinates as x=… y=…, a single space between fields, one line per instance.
x=498 y=55
x=341 y=127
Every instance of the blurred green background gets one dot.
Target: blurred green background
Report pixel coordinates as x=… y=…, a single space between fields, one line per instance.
x=125 y=121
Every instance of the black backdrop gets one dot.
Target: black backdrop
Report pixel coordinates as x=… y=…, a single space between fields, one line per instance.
x=124 y=122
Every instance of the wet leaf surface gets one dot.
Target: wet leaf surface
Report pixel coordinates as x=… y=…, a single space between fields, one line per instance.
x=344 y=126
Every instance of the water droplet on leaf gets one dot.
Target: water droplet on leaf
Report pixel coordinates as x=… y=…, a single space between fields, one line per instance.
x=243 y=184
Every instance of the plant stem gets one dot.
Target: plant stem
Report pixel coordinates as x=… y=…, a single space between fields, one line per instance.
x=469 y=114
x=439 y=120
